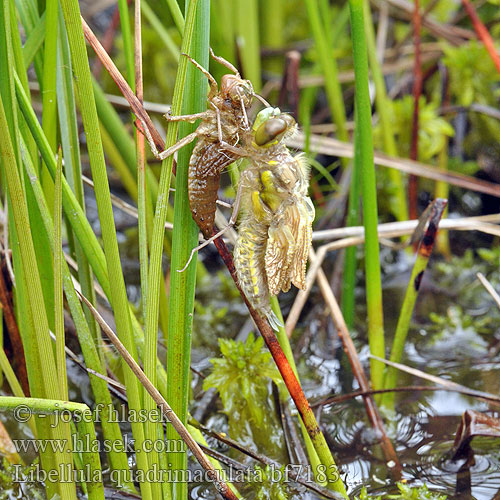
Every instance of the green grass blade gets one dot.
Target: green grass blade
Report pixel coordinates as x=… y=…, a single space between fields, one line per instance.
x=155 y=275
x=272 y=20
x=58 y=290
x=128 y=46
x=111 y=430
x=42 y=346
x=176 y=13
x=352 y=219
x=34 y=42
x=400 y=210
x=247 y=26
x=72 y=165
x=160 y=29
x=329 y=67
x=119 y=300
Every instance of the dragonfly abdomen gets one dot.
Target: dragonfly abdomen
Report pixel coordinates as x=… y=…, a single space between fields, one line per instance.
x=205 y=167
x=250 y=267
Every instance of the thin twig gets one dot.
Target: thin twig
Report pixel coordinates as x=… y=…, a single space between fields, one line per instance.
x=437 y=380
x=355 y=236
x=167 y=411
x=122 y=204
x=409 y=388
x=395 y=229
x=135 y=104
x=357 y=368
x=334 y=147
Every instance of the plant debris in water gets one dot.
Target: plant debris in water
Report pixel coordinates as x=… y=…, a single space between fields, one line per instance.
x=405 y=493
x=242 y=377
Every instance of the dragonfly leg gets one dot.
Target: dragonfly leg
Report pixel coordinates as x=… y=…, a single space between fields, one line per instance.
x=214 y=88
x=231 y=148
x=188 y=118
x=161 y=155
x=178 y=145
x=225 y=63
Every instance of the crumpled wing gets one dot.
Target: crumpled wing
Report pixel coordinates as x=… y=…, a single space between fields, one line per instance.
x=279 y=255
x=303 y=237
x=288 y=246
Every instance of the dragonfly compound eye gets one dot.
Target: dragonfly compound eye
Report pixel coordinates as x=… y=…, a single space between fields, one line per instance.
x=271 y=131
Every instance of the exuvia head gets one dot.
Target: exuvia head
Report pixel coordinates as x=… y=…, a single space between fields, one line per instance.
x=237 y=90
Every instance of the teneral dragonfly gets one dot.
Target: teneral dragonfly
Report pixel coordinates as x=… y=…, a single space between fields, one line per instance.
x=274 y=235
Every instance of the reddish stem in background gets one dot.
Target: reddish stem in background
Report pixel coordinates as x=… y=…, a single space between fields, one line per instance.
x=269 y=337
x=107 y=40
x=14 y=335
x=275 y=349
x=482 y=33
x=417 y=92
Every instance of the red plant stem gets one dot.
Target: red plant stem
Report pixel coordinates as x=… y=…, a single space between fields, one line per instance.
x=482 y=33
x=14 y=335
x=135 y=104
x=290 y=89
x=417 y=91
x=270 y=339
x=291 y=382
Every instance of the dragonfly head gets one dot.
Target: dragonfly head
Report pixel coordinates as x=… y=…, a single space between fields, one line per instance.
x=236 y=90
x=271 y=126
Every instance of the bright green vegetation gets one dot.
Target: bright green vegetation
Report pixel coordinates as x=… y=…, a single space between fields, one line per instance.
x=58 y=122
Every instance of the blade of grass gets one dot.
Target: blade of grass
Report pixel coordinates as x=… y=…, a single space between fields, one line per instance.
x=58 y=290
x=329 y=67
x=352 y=219
x=160 y=29
x=34 y=42
x=36 y=306
x=383 y=110
x=71 y=149
x=111 y=430
x=31 y=294
x=185 y=237
x=364 y=149
x=119 y=300
x=128 y=46
x=247 y=33
x=152 y=430
x=75 y=215
x=176 y=13
x=272 y=20
x=86 y=431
